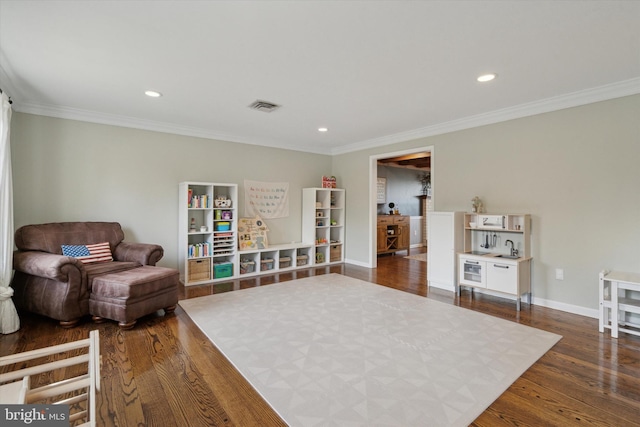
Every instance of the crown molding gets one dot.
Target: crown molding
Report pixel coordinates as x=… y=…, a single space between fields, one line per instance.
x=575 y=99
x=69 y=113
x=597 y=94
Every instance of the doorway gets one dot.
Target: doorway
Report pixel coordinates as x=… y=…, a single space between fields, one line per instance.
x=416 y=158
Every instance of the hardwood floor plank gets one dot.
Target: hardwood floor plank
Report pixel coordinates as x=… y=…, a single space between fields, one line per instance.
x=119 y=403
x=165 y=372
x=150 y=384
x=185 y=386
x=557 y=371
x=557 y=409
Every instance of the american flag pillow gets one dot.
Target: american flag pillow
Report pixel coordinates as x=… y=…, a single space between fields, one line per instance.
x=100 y=252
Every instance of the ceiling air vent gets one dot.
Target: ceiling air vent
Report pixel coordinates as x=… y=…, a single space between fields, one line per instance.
x=264 y=106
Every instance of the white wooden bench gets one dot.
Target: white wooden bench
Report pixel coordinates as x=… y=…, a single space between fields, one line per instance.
x=15 y=386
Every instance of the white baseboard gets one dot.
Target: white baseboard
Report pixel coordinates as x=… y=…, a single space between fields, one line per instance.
x=569 y=308
x=358 y=263
x=443 y=286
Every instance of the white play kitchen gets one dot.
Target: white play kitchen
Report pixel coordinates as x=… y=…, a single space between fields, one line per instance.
x=496 y=254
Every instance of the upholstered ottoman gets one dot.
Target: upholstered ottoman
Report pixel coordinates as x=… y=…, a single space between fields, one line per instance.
x=127 y=295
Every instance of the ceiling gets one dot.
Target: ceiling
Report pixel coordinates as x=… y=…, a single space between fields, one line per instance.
x=372 y=72
x=418 y=161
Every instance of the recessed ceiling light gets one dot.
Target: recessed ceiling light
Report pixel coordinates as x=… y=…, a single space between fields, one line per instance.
x=487 y=77
x=152 y=93
x=322 y=129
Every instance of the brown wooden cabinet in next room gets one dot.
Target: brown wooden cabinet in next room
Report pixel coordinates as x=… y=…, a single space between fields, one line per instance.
x=393 y=233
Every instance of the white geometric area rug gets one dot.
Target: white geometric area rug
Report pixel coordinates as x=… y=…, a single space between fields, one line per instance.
x=331 y=350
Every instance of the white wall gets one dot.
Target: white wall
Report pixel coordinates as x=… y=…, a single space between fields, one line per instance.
x=576 y=171
x=65 y=170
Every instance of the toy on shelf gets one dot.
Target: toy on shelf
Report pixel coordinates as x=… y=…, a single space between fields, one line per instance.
x=329 y=182
x=476 y=205
x=252 y=233
x=222 y=202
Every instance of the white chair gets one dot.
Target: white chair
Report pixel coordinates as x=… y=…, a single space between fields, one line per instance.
x=15 y=387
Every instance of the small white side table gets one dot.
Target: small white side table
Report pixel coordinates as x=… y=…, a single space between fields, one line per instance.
x=614 y=302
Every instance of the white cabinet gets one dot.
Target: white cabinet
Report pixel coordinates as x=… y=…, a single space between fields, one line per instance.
x=502 y=277
x=207 y=232
x=472 y=272
x=493 y=273
x=496 y=254
x=445 y=241
x=322 y=238
x=208 y=235
x=323 y=222
x=274 y=259
x=511 y=277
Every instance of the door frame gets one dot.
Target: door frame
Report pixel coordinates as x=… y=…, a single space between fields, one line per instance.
x=373 y=206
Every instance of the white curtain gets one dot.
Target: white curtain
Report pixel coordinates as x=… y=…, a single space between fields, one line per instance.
x=9 y=320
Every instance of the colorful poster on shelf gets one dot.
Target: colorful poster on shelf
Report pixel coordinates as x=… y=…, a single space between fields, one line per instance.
x=267 y=199
x=252 y=233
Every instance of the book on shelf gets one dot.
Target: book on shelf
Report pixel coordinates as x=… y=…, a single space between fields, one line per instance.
x=199 y=250
x=200 y=202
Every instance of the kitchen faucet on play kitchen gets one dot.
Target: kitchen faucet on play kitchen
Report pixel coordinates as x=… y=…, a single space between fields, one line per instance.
x=514 y=251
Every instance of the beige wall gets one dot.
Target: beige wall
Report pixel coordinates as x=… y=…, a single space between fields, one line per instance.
x=65 y=170
x=576 y=171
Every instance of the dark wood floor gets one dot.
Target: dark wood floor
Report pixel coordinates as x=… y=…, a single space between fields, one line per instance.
x=165 y=372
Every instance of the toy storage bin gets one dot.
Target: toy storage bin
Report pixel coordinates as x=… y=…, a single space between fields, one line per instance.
x=223 y=226
x=335 y=253
x=266 y=264
x=247 y=266
x=199 y=269
x=285 y=261
x=222 y=269
x=302 y=259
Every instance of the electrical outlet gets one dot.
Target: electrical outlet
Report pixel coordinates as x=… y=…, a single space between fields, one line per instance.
x=559 y=274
